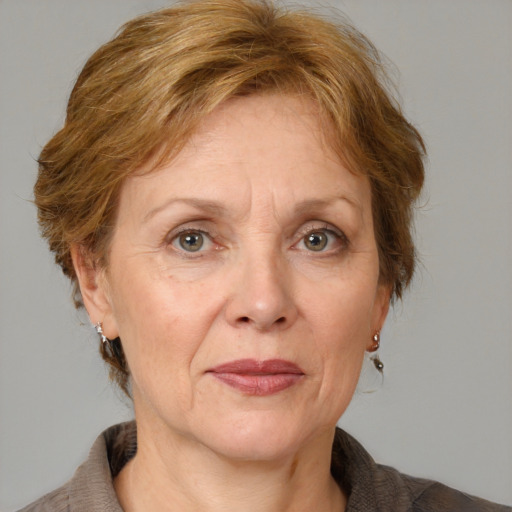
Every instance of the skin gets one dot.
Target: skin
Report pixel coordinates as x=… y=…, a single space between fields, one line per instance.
x=257 y=289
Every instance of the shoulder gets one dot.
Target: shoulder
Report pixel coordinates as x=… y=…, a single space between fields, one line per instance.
x=373 y=486
x=432 y=496
x=91 y=488
x=56 y=501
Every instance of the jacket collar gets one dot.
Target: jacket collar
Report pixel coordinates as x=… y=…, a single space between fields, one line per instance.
x=368 y=485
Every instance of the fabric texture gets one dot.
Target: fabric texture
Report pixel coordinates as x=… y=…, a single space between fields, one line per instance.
x=370 y=487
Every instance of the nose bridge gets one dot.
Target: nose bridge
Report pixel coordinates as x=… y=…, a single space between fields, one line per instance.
x=263 y=296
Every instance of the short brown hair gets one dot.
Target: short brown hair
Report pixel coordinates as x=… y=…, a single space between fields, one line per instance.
x=144 y=93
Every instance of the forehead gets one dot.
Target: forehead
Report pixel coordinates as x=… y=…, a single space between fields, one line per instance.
x=270 y=145
x=258 y=126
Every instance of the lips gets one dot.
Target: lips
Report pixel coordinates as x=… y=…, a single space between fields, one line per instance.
x=258 y=378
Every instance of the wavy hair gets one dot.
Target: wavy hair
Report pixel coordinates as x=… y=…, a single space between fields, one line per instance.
x=141 y=95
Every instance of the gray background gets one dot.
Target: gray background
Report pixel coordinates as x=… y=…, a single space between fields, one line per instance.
x=445 y=407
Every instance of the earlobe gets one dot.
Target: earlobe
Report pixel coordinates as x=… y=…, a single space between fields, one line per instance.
x=94 y=290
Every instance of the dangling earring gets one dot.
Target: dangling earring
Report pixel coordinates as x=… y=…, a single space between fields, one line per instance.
x=369 y=380
x=379 y=365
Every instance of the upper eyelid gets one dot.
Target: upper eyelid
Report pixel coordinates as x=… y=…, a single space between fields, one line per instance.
x=212 y=234
x=179 y=231
x=192 y=226
x=325 y=226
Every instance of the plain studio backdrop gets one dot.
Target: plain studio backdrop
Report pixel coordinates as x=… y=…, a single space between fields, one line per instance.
x=444 y=410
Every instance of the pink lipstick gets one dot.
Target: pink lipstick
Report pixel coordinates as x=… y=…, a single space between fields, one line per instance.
x=258 y=378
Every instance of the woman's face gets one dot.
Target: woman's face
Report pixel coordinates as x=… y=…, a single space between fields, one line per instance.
x=243 y=281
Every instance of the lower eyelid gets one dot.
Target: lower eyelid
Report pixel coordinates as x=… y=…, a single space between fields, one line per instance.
x=340 y=239
x=210 y=238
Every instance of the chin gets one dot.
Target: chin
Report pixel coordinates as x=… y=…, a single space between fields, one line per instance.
x=262 y=438
x=252 y=447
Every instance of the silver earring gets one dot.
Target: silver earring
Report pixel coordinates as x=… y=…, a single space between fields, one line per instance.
x=99 y=330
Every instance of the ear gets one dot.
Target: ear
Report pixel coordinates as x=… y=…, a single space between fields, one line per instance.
x=94 y=289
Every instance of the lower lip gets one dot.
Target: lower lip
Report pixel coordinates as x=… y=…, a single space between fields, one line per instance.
x=259 y=385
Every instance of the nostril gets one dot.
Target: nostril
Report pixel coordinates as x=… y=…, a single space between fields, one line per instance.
x=246 y=320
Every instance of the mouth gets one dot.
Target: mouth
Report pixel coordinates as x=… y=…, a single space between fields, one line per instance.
x=258 y=378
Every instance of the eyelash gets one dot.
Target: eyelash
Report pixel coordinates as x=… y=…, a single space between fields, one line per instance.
x=327 y=229
x=208 y=236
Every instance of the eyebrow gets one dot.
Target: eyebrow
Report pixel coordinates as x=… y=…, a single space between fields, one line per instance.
x=215 y=209
x=206 y=206
x=310 y=205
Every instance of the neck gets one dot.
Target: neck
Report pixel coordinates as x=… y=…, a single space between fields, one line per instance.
x=177 y=474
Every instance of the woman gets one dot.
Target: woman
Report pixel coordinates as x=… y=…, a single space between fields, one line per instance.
x=231 y=196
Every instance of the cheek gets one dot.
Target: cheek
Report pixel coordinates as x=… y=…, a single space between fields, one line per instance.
x=342 y=316
x=342 y=312
x=161 y=322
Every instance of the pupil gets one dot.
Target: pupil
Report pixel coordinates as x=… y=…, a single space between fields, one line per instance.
x=316 y=241
x=191 y=242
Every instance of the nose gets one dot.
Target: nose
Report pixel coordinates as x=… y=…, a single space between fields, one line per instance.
x=262 y=295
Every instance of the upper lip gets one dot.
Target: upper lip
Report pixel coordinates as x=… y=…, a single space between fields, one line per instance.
x=255 y=367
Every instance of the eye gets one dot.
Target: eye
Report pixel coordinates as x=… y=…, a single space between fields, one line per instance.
x=324 y=239
x=191 y=241
x=316 y=241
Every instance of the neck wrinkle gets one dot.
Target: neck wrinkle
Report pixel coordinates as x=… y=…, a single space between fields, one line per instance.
x=174 y=479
